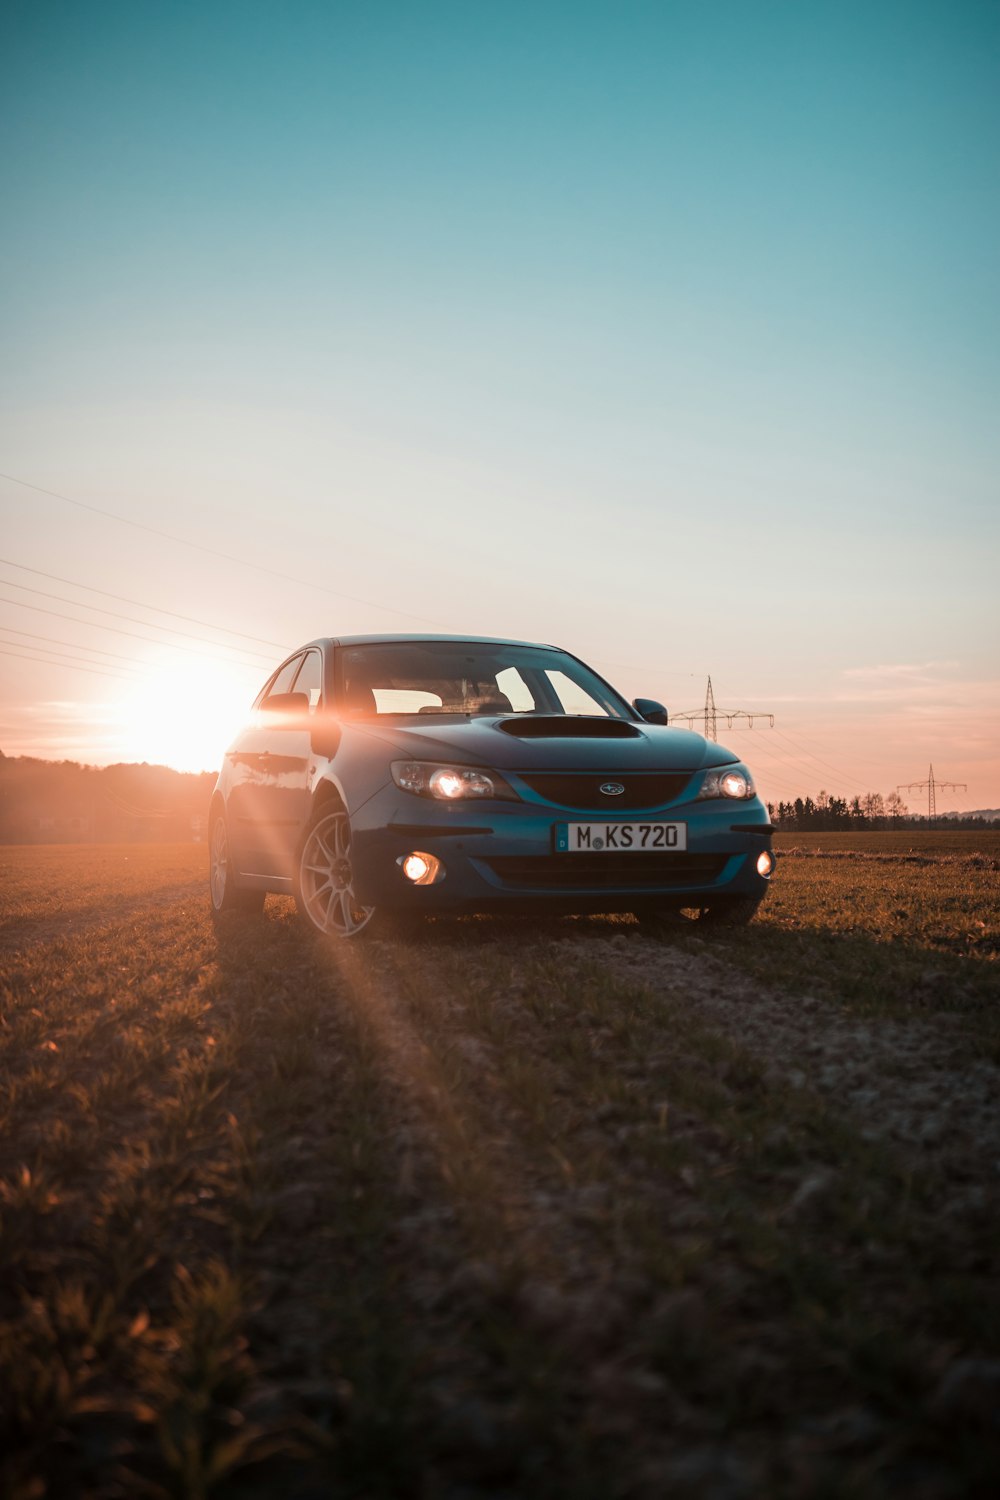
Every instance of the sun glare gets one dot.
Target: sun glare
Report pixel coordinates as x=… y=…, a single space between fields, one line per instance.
x=184 y=716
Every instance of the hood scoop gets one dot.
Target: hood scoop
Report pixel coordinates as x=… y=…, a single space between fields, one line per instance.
x=568 y=727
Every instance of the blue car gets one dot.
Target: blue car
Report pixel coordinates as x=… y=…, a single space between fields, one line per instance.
x=381 y=776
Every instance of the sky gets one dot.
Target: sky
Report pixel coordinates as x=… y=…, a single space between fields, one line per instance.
x=664 y=332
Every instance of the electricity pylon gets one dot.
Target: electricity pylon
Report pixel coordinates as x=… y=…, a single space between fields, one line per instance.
x=711 y=729
x=932 y=787
x=710 y=716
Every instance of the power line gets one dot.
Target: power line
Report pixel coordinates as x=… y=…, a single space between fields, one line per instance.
x=94 y=671
x=193 y=619
x=823 y=764
x=93 y=650
x=139 y=604
x=146 y=624
x=781 y=758
x=873 y=768
x=846 y=777
x=117 y=630
x=62 y=659
x=808 y=765
x=931 y=785
x=243 y=563
x=216 y=552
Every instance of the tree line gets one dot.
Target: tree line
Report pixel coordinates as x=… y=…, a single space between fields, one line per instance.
x=59 y=802
x=826 y=814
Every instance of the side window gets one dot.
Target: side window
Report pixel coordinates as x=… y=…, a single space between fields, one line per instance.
x=283 y=682
x=310 y=678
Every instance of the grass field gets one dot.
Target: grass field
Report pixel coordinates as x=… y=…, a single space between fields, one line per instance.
x=514 y=1209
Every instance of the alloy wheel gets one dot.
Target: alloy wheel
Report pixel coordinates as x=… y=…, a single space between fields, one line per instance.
x=218 y=863
x=326 y=879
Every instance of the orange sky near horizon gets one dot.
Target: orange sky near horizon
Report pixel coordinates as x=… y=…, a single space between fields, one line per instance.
x=165 y=673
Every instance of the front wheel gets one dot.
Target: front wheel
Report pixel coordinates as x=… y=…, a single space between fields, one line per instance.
x=736 y=911
x=226 y=895
x=728 y=911
x=324 y=879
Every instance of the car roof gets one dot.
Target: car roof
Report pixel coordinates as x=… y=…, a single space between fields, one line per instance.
x=377 y=640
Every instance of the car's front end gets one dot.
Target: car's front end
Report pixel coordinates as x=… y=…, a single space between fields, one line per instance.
x=674 y=822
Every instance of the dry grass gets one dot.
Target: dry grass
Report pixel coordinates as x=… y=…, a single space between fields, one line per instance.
x=554 y=1210
x=932 y=842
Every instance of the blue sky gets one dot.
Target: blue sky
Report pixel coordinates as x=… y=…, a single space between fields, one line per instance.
x=666 y=331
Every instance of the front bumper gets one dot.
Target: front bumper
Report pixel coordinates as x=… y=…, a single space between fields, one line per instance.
x=501 y=856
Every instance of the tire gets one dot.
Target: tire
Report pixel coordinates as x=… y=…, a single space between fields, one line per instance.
x=739 y=911
x=324 y=880
x=223 y=891
x=733 y=911
x=661 y=918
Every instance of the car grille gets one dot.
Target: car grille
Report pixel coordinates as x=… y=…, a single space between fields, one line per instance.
x=570 y=789
x=604 y=872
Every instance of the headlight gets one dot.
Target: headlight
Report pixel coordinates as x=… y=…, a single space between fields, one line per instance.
x=450 y=783
x=734 y=782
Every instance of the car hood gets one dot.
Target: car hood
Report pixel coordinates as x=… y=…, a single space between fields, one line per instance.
x=497 y=742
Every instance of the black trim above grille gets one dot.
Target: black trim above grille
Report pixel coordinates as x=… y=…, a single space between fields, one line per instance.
x=605 y=872
x=568 y=727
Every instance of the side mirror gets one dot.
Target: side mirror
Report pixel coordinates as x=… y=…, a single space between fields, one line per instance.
x=292 y=707
x=324 y=737
x=650 y=710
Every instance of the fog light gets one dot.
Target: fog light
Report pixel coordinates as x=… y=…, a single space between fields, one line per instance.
x=765 y=863
x=421 y=869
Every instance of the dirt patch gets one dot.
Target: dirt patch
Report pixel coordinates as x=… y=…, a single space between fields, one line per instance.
x=906 y=1082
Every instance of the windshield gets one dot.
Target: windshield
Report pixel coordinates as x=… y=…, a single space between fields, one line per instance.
x=468 y=677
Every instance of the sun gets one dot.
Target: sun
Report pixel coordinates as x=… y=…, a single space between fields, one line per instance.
x=185 y=714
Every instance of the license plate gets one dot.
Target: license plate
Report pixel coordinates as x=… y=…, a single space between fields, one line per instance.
x=635 y=838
